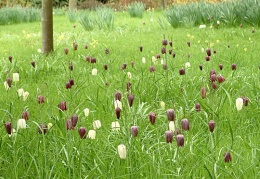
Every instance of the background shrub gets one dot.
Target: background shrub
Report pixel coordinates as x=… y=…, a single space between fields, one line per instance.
x=136 y=9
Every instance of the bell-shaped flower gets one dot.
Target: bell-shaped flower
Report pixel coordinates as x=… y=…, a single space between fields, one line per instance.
x=180 y=140
x=86 y=112
x=25 y=95
x=8 y=127
x=162 y=104
x=49 y=126
x=21 y=124
x=134 y=131
x=168 y=136
x=122 y=151
x=129 y=75
x=143 y=60
x=172 y=126
x=170 y=114
x=7 y=87
x=239 y=103
x=115 y=126
x=82 y=132
x=20 y=92
x=187 y=65
x=94 y=72
x=92 y=134
x=15 y=77
x=96 y=124
x=118 y=103
x=185 y=124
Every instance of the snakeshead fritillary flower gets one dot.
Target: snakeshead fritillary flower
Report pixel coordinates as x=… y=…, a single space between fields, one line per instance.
x=152 y=117
x=203 y=92
x=239 y=103
x=227 y=157
x=96 y=124
x=92 y=134
x=115 y=126
x=82 y=132
x=118 y=96
x=74 y=120
x=168 y=136
x=86 y=112
x=25 y=95
x=121 y=149
x=211 y=125
x=42 y=129
x=170 y=114
x=180 y=140
x=16 y=77
x=185 y=124
x=172 y=126
x=143 y=60
x=129 y=75
x=8 y=128
x=134 y=131
x=130 y=98
x=21 y=124
x=118 y=103
x=25 y=115
x=62 y=106
x=162 y=104
x=20 y=92
x=94 y=72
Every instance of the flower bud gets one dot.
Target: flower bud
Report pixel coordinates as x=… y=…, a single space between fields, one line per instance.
x=115 y=126
x=62 y=106
x=211 y=125
x=40 y=99
x=163 y=50
x=170 y=43
x=118 y=96
x=197 y=107
x=21 y=124
x=71 y=66
x=128 y=86
x=82 y=132
x=92 y=134
x=220 y=66
x=180 y=140
x=143 y=60
x=208 y=51
x=33 y=64
x=122 y=151
x=141 y=48
x=10 y=58
x=168 y=136
x=203 y=92
x=233 y=66
x=75 y=46
x=214 y=85
x=105 y=66
x=74 y=119
x=227 y=157
x=152 y=68
x=187 y=65
x=207 y=58
x=96 y=124
x=170 y=114
x=68 y=85
x=88 y=59
x=66 y=51
x=93 y=60
x=164 y=42
x=162 y=104
x=9 y=82
x=213 y=77
x=239 y=103
x=49 y=126
x=25 y=115
x=129 y=75
x=69 y=125
x=245 y=100
x=8 y=128
x=86 y=112
x=182 y=71
x=15 y=77
x=130 y=98
x=42 y=129
x=106 y=51
x=71 y=81
x=221 y=79
x=132 y=64
x=188 y=43
x=152 y=117
x=185 y=124
x=134 y=131
x=200 y=67
x=118 y=111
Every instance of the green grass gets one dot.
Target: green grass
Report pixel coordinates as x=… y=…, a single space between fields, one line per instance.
x=62 y=154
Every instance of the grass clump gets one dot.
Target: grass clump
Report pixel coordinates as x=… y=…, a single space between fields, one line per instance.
x=136 y=9
x=18 y=15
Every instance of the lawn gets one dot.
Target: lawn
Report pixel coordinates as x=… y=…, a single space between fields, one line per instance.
x=53 y=145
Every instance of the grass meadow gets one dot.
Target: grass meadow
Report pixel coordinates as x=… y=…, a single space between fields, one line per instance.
x=62 y=97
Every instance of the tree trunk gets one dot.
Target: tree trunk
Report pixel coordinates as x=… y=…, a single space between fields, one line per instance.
x=47 y=26
x=164 y=4
x=72 y=5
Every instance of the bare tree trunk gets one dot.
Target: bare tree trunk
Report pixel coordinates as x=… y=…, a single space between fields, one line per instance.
x=164 y=4
x=47 y=26
x=72 y=5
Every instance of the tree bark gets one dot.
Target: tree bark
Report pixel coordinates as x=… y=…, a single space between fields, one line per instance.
x=72 y=5
x=164 y=4
x=47 y=26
